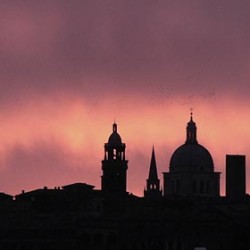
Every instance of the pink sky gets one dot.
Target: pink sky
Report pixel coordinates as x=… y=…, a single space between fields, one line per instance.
x=68 y=68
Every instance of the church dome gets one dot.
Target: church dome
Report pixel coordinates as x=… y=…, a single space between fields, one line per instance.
x=115 y=138
x=191 y=156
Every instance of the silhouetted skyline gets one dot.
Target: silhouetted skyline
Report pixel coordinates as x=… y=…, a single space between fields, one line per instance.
x=189 y=214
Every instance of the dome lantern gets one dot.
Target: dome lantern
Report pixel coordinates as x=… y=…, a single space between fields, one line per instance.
x=191 y=131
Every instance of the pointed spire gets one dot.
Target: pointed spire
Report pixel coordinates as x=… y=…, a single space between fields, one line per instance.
x=153 y=169
x=153 y=183
x=191 y=131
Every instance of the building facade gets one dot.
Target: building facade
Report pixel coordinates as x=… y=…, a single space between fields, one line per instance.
x=235 y=176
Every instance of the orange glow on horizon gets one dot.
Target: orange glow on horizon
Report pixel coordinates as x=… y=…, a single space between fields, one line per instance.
x=80 y=130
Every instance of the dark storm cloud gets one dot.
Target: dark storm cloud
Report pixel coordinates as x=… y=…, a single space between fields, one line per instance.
x=79 y=46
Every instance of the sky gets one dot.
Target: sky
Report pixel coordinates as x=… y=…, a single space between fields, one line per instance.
x=69 y=68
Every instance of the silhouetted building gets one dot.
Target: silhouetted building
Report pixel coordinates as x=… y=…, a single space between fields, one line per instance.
x=235 y=176
x=152 y=190
x=191 y=170
x=114 y=165
x=5 y=197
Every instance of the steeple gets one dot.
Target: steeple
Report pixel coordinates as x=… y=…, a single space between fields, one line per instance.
x=191 y=131
x=153 y=176
x=153 y=183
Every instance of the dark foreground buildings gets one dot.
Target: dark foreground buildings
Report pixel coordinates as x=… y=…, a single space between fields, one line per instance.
x=188 y=214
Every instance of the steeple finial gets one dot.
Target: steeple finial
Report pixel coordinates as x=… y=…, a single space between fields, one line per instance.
x=114 y=127
x=191 y=114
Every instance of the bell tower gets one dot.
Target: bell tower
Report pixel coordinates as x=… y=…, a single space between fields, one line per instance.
x=114 y=165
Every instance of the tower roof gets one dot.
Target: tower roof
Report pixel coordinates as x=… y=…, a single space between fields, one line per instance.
x=114 y=138
x=153 y=169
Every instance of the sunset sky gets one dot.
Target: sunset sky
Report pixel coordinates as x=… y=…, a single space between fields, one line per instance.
x=68 y=68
